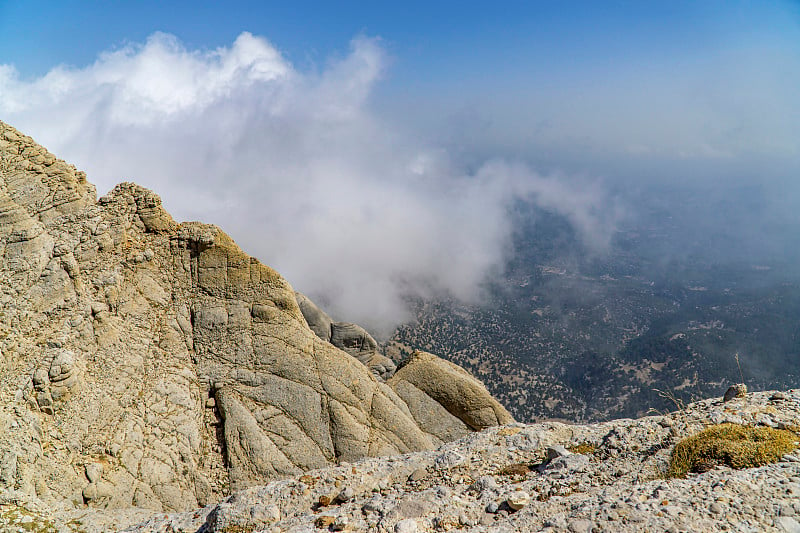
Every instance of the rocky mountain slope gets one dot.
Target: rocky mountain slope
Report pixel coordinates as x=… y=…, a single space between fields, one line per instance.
x=157 y=378
x=555 y=477
x=154 y=365
x=551 y=476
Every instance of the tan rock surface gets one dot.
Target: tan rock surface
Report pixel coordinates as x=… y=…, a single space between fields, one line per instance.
x=523 y=478
x=428 y=383
x=154 y=364
x=346 y=336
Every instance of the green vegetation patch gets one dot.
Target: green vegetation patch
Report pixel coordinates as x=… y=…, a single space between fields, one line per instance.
x=734 y=445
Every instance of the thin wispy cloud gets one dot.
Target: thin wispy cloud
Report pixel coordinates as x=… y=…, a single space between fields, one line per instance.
x=295 y=166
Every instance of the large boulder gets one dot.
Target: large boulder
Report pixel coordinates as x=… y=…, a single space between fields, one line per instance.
x=446 y=400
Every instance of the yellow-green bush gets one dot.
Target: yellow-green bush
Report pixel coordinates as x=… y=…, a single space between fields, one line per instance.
x=584 y=448
x=734 y=445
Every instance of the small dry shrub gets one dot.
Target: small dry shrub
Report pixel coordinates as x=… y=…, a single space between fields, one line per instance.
x=584 y=448
x=515 y=470
x=733 y=445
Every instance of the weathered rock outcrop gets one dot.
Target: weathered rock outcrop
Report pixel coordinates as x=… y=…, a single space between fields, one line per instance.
x=346 y=336
x=610 y=476
x=147 y=365
x=446 y=401
x=152 y=364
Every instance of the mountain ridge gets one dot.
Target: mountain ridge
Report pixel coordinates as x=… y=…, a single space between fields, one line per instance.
x=156 y=365
x=157 y=378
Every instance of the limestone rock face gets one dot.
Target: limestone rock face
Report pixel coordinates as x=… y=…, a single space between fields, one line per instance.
x=346 y=336
x=446 y=400
x=152 y=364
x=613 y=481
x=317 y=319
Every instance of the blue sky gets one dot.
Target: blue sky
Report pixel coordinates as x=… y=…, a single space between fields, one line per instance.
x=433 y=41
x=435 y=49
x=408 y=128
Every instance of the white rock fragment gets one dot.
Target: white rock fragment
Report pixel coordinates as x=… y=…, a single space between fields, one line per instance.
x=581 y=526
x=483 y=483
x=518 y=499
x=554 y=452
x=345 y=495
x=787 y=524
x=449 y=459
x=409 y=525
x=341 y=523
x=94 y=471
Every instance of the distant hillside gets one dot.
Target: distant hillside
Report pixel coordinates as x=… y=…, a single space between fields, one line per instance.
x=568 y=334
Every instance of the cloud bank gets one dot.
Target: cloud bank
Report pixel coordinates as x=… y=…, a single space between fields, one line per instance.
x=295 y=166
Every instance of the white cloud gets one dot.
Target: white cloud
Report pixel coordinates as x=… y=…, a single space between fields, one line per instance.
x=293 y=165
